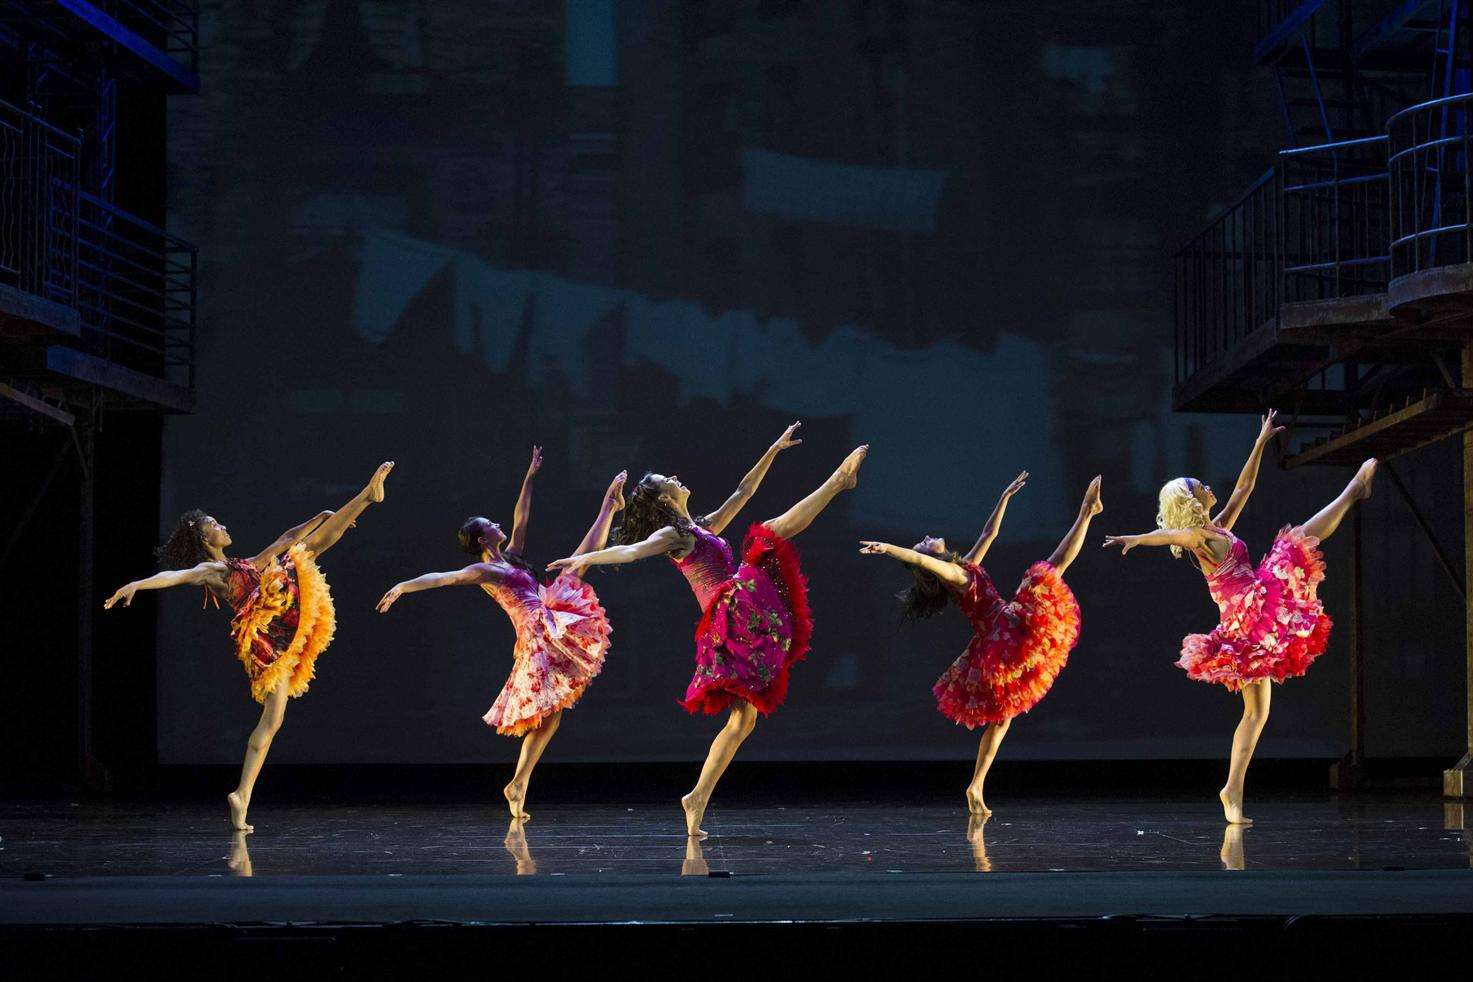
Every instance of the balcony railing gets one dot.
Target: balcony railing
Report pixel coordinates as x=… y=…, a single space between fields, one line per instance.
x=1431 y=222
x=172 y=25
x=1313 y=227
x=39 y=166
x=131 y=283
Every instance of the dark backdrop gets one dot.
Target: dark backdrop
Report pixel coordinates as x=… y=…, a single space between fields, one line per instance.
x=647 y=235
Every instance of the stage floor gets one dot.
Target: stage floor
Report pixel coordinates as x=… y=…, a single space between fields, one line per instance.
x=458 y=861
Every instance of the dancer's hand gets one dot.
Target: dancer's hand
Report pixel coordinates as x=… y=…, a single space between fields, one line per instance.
x=1266 y=428
x=125 y=594
x=615 y=494
x=1125 y=542
x=558 y=564
x=786 y=440
x=1016 y=486
x=873 y=548
x=536 y=464
x=387 y=600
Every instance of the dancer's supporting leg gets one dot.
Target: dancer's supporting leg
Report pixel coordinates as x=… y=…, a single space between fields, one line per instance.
x=272 y=714
x=739 y=726
x=1069 y=546
x=533 y=744
x=986 y=751
x=1256 y=697
x=1327 y=519
x=801 y=515
x=326 y=535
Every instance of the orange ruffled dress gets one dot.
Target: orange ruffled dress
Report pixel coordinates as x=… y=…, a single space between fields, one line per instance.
x=283 y=619
x=1272 y=624
x=1018 y=646
x=562 y=637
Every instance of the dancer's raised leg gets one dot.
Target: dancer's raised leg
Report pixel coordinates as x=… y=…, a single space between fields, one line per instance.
x=272 y=713
x=1071 y=543
x=326 y=535
x=533 y=744
x=1256 y=697
x=739 y=726
x=801 y=515
x=986 y=752
x=1327 y=520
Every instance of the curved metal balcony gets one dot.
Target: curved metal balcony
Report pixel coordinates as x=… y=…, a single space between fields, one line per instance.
x=1431 y=208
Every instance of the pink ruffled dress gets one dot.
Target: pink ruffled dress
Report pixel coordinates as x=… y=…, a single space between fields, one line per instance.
x=1018 y=646
x=562 y=636
x=755 y=621
x=1272 y=622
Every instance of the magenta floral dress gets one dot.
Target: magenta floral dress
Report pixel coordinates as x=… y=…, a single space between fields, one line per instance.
x=562 y=636
x=755 y=621
x=1272 y=623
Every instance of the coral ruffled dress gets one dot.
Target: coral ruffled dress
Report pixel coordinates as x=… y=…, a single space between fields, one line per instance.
x=562 y=637
x=755 y=621
x=1272 y=622
x=283 y=620
x=1018 y=646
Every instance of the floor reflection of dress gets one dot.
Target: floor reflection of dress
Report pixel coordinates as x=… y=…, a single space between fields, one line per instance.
x=975 y=825
x=516 y=844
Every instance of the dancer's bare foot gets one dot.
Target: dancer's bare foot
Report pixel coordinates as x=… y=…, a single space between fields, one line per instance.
x=695 y=810
x=1364 y=477
x=515 y=796
x=238 y=806
x=848 y=472
x=1232 y=808
x=375 y=487
x=1092 y=503
x=975 y=805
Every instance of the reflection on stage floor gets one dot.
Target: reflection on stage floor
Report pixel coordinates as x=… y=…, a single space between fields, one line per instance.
x=1037 y=834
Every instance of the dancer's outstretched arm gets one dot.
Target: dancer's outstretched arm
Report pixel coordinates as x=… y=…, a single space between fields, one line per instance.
x=1249 y=477
x=1188 y=539
x=722 y=517
x=994 y=521
x=289 y=538
x=208 y=574
x=598 y=533
x=523 y=510
x=948 y=571
x=661 y=542
x=473 y=575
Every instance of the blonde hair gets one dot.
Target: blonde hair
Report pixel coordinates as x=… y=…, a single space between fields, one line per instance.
x=1179 y=508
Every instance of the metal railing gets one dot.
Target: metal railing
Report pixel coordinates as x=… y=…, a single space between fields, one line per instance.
x=1313 y=227
x=1336 y=219
x=172 y=25
x=1272 y=13
x=1431 y=221
x=132 y=283
x=39 y=165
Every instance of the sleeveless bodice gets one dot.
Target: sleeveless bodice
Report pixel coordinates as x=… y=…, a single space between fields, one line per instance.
x=707 y=566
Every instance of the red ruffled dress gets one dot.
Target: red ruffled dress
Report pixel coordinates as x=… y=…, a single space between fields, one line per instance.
x=562 y=637
x=1272 y=622
x=283 y=619
x=1018 y=646
x=755 y=622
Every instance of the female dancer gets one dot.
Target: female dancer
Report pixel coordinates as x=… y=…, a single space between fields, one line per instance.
x=562 y=632
x=755 y=622
x=283 y=614
x=1272 y=624
x=1018 y=646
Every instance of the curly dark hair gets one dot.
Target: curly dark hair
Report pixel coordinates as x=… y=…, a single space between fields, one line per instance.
x=469 y=540
x=185 y=546
x=644 y=514
x=927 y=595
